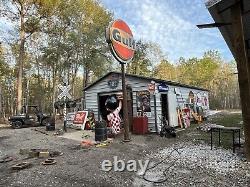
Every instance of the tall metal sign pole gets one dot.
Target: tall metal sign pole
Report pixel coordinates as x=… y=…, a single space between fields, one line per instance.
x=122 y=46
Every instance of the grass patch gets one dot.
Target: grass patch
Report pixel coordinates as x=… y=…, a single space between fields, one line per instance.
x=227 y=119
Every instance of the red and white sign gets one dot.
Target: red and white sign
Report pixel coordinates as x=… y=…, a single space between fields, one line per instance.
x=151 y=88
x=121 y=41
x=80 y=119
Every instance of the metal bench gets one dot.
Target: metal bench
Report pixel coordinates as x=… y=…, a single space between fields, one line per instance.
x=232 y=130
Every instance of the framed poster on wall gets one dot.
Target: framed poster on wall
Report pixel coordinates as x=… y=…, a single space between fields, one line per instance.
x=143 y=102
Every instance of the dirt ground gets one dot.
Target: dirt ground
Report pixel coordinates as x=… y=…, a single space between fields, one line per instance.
x=186 y=161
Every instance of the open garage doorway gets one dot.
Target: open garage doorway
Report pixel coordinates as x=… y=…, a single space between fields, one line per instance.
x=102 y=111
x=102 y=108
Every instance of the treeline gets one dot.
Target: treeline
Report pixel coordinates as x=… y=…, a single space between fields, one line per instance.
x=63 y=40
x=51 y=41
x=210 y=72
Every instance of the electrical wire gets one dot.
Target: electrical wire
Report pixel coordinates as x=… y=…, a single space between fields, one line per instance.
x=166 y=170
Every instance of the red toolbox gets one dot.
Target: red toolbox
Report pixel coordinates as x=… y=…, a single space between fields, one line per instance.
x=140 y=125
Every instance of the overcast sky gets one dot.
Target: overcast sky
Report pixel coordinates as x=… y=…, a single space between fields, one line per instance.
x=171 y=24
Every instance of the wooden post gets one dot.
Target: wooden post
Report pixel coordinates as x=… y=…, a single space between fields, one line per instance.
x=155 y=111
x=243 y=69
x=125 y=106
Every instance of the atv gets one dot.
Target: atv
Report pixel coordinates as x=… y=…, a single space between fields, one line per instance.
x=31 y=116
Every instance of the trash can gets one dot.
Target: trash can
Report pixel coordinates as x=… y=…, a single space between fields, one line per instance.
x=101 y=131
x=50 y=126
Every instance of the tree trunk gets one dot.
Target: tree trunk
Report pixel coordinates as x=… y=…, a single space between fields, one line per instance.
x=12 y=100
x=20 y=63
x=1 y=106
x=41 y=94
x=54 y=91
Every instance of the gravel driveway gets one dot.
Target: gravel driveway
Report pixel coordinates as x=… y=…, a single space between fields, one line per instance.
x=193 y=164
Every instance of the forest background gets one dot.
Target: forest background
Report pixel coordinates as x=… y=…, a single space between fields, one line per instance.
x=57 y=39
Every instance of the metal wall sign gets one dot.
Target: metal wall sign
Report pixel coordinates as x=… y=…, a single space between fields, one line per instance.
x=121 y=41
x=113 y=81
x=162 y=87
x=151 y=88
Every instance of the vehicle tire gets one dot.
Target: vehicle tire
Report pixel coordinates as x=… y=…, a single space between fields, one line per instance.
x=17 y=124
x=161 y=133
x=45 y=122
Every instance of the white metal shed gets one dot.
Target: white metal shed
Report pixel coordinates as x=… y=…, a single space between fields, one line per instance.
x=167 y=97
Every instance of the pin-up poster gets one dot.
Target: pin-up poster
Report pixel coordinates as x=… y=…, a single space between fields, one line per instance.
x=143 y=102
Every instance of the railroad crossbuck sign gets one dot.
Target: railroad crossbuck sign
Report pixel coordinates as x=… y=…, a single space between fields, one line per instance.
x=65 y=91
x=121 y=41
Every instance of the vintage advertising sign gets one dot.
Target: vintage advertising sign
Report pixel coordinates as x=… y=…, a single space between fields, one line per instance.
x=151 y=87
x=162 y=87
x=143 y=103
x=70 y=118
x=113 y=81
x=80 y=119
x=120 y=39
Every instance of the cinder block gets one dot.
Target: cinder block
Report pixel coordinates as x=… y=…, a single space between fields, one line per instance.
x=43 y=154
x=33 y=154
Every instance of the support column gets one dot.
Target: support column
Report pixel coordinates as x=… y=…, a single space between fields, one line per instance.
x=125 y=106
x=243 y=69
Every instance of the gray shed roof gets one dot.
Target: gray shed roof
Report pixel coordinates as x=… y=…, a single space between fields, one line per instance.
x=146 y=78
x=220 y=10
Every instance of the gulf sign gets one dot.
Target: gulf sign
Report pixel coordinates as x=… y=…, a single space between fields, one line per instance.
x=121 y=41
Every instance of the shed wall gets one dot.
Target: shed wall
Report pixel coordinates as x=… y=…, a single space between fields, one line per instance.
x=137 y=84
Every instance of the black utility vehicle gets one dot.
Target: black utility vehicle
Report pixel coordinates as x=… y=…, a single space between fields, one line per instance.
x=31 y=116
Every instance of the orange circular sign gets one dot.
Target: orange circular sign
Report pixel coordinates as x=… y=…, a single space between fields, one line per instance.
x=121 y=41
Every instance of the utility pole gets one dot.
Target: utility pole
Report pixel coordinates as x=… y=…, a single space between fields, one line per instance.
x=125 y=105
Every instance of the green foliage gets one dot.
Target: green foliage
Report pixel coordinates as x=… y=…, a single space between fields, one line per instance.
x=165 y=70
x=65 y=38
x=140 y=65
x=208 y=72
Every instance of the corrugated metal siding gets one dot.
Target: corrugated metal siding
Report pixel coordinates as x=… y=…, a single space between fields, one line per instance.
x=91 y=96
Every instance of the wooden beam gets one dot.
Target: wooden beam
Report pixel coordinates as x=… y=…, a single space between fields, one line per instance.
x=212 y=25
x=243 y=69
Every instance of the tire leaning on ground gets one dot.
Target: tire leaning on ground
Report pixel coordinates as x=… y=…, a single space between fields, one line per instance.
x=45 y=122
x=161 y=134
x=17 y=124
